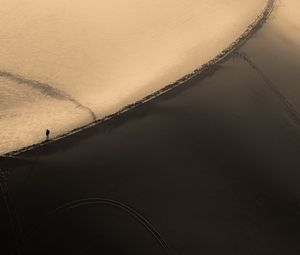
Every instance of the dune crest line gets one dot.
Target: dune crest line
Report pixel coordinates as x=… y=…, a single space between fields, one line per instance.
x=47 y=90
x=227 y=52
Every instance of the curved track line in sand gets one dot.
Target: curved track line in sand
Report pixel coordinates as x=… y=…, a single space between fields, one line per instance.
x=227 y=52
x=47 y=90
x=287 y=105
x=108 y=202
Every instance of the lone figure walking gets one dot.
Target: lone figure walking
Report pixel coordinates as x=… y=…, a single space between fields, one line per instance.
x=47 y=134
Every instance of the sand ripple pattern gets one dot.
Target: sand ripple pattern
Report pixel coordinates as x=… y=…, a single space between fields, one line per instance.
x=46 y=89
x=46 y=107
x=28 y=108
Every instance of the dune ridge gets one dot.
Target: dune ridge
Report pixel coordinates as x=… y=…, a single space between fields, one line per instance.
x=248 y=32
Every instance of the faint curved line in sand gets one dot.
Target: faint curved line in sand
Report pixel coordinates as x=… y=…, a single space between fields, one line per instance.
x=287 y=105
x=103 y=201
x=46 y=89
x=227 y=52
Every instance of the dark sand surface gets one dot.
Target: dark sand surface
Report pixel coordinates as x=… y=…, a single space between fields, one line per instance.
x=213 y=165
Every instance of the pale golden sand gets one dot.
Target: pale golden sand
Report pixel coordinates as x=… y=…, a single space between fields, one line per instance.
x=103 y=54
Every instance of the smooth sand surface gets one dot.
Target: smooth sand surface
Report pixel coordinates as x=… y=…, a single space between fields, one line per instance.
x=103 y=54
x=288 y=22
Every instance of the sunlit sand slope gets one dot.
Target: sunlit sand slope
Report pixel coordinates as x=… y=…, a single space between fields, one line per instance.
x=287 y=20
x=93 y=57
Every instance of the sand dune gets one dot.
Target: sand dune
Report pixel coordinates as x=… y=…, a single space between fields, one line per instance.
x=103 y=55
x=288 y=21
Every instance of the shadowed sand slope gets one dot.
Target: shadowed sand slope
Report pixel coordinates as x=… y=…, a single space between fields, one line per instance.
x=102 y=55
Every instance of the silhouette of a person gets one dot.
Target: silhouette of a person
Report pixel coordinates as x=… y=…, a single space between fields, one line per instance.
x=47 y=134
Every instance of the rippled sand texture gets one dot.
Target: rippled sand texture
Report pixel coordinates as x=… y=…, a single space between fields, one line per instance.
x=63 y=63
